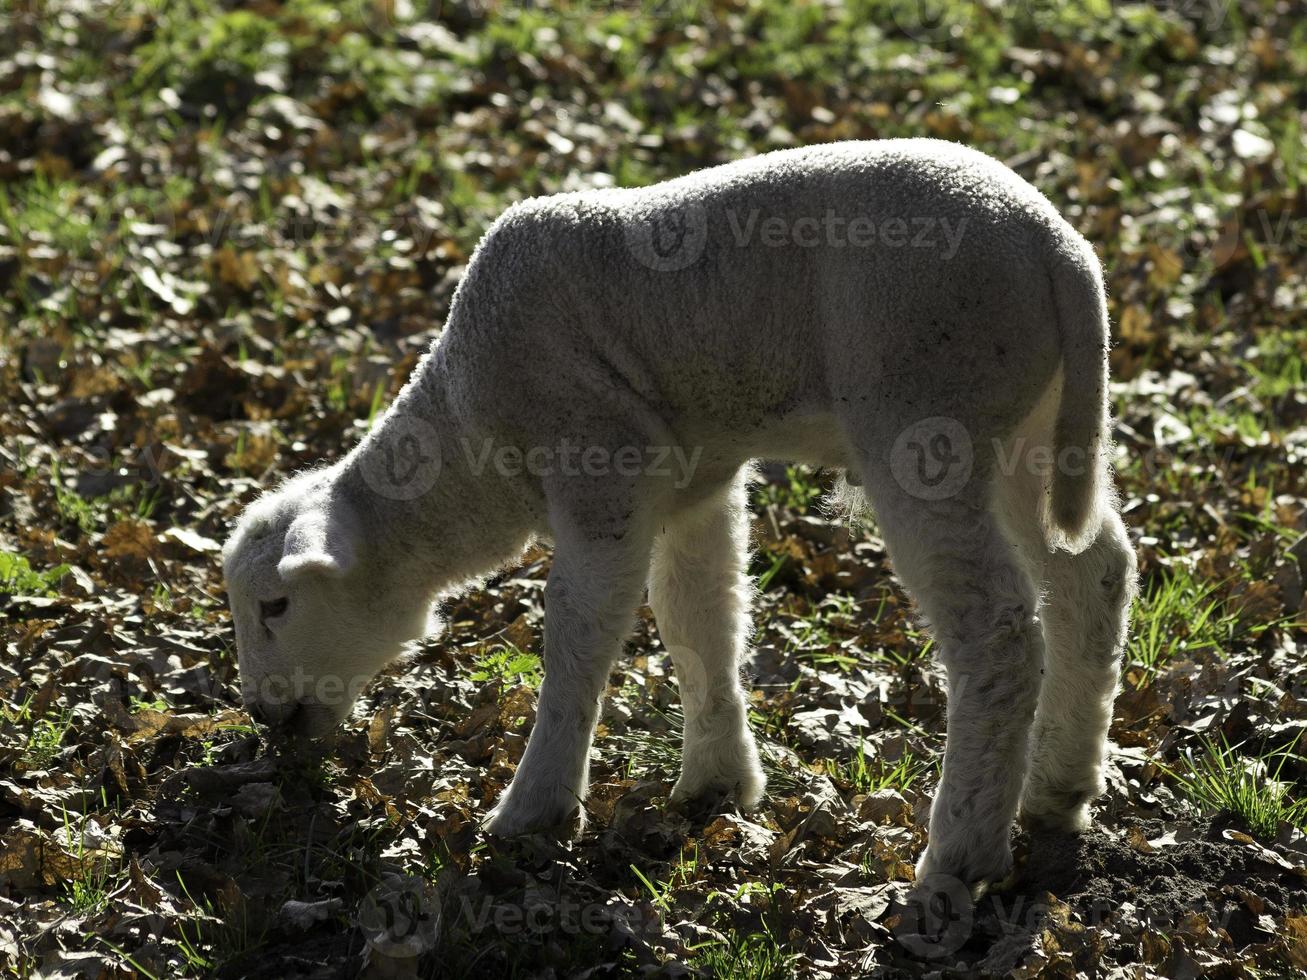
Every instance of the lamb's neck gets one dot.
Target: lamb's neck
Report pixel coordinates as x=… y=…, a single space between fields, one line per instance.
x=434 y=520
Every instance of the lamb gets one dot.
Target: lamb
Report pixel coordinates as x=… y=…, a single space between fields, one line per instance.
x=910 y=312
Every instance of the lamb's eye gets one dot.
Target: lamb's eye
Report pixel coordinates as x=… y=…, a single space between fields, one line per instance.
x=272 y=608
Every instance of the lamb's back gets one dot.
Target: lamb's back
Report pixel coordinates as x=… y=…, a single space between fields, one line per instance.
x=721 y=318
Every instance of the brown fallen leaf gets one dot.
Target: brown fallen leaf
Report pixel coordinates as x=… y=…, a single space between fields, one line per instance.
x=1295 y=936
x=1264 y=852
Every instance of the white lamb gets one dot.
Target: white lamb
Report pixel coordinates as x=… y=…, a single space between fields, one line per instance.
x=909 y=311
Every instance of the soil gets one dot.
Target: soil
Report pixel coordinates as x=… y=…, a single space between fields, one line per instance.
x=1155 y=893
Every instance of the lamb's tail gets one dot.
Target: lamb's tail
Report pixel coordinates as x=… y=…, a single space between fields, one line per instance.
x=1080 y=433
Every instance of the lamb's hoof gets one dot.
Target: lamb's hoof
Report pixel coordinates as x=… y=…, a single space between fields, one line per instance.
x=700 y=804
x=1066 y=813
x=980 y=869
x=1048 y=806
x=697 y=790
x=1067 y=822
x=561 y=817
x=984 y=886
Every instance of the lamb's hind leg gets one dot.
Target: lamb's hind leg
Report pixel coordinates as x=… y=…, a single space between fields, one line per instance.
x=980 y=604
x=1087 y=604
x=700 y=595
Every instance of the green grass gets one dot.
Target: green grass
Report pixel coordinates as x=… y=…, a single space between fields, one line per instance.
x=97 y=874
x=746 y=956
x=869 y=774
x=46 y=740
x=508 y=665
x=817 y=638
x=142 y=704
x=801 y=488
x=229 y=932
x=682 y=872
x=210 y=938
x=654 y=751
x=774 y=564
x=1278 y=365
x=1220 y=777
x=17 y=577
x=48 y=209
x=753 y=955
x=136 y=501
x=1177 y=614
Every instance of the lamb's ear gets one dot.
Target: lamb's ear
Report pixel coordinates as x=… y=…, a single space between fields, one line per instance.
x=319 y=541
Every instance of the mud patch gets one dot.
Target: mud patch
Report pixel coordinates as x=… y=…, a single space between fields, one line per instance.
x=1178 y=899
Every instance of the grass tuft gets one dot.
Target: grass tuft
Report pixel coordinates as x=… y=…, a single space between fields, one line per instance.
x=1222 y=778
x=746 y=956
x=870 y=774
x=1176 y=614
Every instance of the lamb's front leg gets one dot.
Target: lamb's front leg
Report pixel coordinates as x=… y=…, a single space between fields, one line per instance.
x=700 y=594
x=594 y=587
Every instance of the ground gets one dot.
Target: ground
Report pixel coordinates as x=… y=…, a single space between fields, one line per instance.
x=227 y=232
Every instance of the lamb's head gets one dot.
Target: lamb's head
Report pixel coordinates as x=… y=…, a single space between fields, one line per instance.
x=314 y=618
